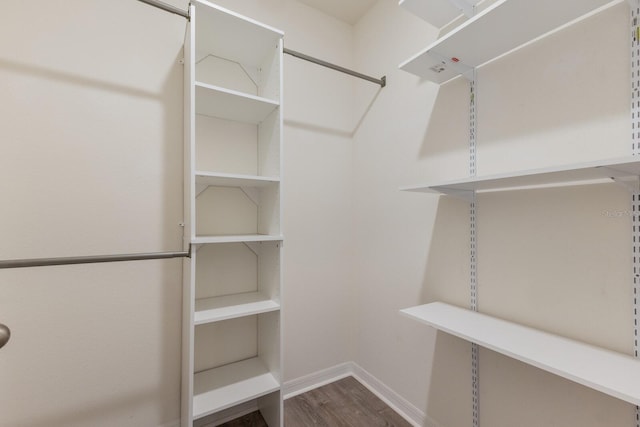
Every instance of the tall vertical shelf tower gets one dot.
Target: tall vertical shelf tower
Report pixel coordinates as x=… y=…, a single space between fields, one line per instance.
x=233 y=163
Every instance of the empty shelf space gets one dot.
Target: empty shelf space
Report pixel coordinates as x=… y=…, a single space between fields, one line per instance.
x=582 y=173
x=229 y=104
x=216 y=309
x=612 y=373
x=233 y=180
x=497 y=30
x=235 y=238
x=221 y=388
x=231 y=35
x=437 y=12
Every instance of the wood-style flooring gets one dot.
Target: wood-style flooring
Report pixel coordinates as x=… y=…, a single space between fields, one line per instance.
x=344 y=403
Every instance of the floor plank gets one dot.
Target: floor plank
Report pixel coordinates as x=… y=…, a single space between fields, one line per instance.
x=253 y=419
x=344 y=403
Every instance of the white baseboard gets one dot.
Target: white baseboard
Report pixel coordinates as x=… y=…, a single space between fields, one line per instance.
x=316 y=379
x=402 y=406
x=408 y=411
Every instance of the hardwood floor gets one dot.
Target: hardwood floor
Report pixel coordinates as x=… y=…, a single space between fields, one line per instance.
x=344 y=403
x=253 y=419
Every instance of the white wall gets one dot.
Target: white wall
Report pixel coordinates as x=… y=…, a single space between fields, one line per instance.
x=92 y=164
x=553 y=259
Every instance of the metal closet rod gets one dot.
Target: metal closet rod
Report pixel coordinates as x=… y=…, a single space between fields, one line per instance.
x=42 y=262
x=167 y=7
x=381 y=81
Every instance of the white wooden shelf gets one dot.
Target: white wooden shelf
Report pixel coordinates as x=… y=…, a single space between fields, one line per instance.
x=233 y=36
x=209 y=310
x=235 y=238
x=626 y=169
x=215 y=101
x=233 y=72
x=612 y=373
x=221 y=388
x=437 y=12
x=233 y=180
x=497 y=30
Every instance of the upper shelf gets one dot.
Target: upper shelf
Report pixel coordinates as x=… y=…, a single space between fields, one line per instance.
x=502 y=27
x=621 y=169
x=235 y=238
x=229 y=104
x=438 y=12
x=233 y=180
x=615 y=374
x=218 y=31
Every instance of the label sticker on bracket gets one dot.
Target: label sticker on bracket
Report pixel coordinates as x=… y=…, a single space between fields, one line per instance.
x=438 y=68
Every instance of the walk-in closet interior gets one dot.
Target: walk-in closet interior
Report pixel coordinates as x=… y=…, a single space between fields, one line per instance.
x=210 y=209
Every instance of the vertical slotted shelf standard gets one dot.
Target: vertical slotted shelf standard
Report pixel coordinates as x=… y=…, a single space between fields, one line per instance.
x=233 y=164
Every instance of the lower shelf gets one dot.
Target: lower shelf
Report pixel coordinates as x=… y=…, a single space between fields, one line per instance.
x=221 y=388
x=612 y=373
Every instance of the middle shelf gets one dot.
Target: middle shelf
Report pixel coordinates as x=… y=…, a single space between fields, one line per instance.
x=625 y=169
x=612 y=373
x=216 y=309
x=230 y=104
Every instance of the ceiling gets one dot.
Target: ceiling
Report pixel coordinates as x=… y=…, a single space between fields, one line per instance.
x=349 y=11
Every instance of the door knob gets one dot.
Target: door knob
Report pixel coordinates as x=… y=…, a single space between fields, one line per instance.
x=5 y=334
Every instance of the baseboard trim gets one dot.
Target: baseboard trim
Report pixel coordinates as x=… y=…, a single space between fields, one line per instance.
x=408 y=411
x=317 y=379
x=402 y=406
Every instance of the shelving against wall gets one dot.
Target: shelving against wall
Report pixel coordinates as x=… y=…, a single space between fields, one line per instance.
x=233 y=163
x=496 y=31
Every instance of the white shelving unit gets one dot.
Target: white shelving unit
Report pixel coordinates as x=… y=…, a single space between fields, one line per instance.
x=615 y=374
x=233 y=163
x=497 y=30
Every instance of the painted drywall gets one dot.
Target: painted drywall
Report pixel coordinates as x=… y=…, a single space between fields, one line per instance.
x=92 y=164
x=556 y=259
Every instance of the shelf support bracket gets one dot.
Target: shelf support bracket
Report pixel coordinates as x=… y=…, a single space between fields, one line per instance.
x=253 y=247
x=630 y=183
x=468 y=9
